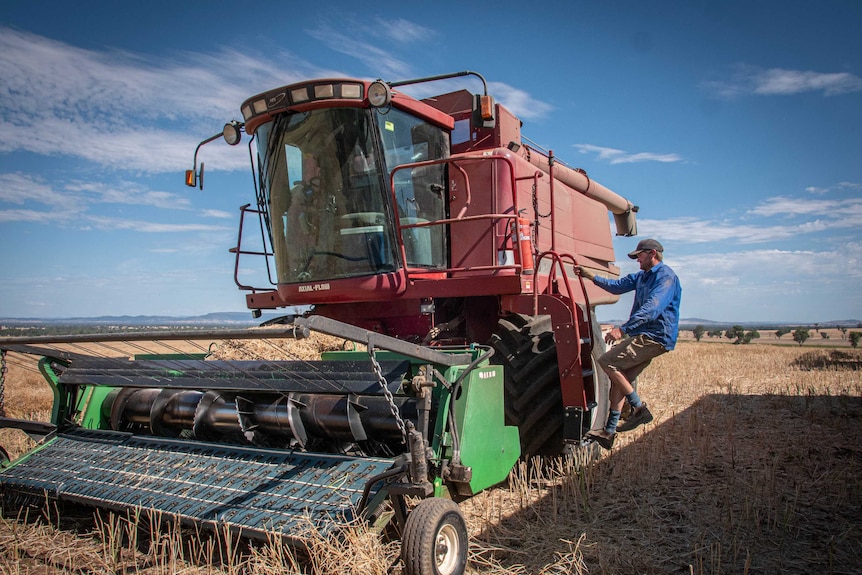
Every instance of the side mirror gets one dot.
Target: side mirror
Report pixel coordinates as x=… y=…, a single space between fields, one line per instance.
x=232 y=134
x=195 y=178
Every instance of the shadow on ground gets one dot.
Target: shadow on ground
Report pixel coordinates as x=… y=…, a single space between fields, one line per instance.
x=734 y=484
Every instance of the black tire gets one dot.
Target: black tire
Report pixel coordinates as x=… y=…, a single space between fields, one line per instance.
x=526 y=349
x=435 y=539
x=524 y=346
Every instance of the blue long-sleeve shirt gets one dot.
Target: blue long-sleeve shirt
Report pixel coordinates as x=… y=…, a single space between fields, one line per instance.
x=655 y=311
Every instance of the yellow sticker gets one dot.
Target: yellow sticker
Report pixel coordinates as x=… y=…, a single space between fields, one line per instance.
x=389 y=126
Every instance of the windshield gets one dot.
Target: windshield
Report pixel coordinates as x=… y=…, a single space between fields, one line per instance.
x=420 y=193
x=326 y=207
x=327 y=196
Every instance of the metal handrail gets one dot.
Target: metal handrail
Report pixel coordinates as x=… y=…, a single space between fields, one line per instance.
x=239 y=251
x=461 y=217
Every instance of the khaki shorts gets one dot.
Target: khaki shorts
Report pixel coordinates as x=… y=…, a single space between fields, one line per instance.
x=631 y=355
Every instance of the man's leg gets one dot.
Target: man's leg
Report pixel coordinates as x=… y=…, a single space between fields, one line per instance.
x=620 y=387
x=623 y=363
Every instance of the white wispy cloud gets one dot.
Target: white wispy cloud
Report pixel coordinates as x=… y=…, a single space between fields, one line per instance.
x=402 y=30
x=109 y=223
x=120 y=110
x=356 y=39
x=129 y=193
x=75 y=198
x=836 y=209
x=220 y=214
x=362 y=41
x=71 y=206
x=763 y=269
x=615 y=156
x=840 y=186
x=33 y=216
x=766 y=284
x=753 y=80
x=698 y=230
x=20 y=189
x=521 y=103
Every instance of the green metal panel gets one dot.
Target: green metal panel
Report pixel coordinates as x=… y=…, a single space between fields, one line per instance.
x=488 y=445
x=61 y=398
x=90 y=407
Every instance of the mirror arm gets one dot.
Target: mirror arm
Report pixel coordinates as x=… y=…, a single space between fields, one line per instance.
x=192 y=176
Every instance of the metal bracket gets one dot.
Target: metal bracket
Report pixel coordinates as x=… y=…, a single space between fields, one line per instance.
x=380 y=341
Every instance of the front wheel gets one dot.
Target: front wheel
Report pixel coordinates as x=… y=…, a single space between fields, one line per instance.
x=435 y=539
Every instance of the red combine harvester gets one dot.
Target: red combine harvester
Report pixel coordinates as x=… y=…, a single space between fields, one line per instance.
x=426 y=230
x=433 y=222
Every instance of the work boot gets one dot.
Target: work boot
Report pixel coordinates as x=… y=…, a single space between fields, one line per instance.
x=638 y=417
x=602 y=437
x=626 y=411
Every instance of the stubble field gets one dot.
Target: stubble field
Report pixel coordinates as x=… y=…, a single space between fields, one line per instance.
x=752 y=465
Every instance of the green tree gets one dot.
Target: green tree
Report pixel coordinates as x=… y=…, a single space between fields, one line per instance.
x=824 y=335
x=843 y=331
x=855 y=336
x=753 y=334
x=800 y=335
x=698 y=332
x=714 y=333
x=782 y=331
x=736 y=332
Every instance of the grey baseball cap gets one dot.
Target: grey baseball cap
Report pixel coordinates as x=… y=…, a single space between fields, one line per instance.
x=645 y=245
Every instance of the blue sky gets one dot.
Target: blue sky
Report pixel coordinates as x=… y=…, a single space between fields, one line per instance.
x=735 y=126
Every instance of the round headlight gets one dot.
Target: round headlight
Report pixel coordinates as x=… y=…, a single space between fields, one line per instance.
x=379 y=94
x=232 y=133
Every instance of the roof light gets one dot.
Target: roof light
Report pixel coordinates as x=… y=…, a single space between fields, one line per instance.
x=324 y=91
x=231 y=133
x=259 y=106
x=351 y=91
x=379 y=94
x=299 y=95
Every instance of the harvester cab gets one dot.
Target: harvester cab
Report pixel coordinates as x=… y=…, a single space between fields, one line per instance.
x=427 y=231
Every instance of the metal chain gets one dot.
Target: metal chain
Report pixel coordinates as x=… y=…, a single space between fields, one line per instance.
x=388 y=394
x=3 y=370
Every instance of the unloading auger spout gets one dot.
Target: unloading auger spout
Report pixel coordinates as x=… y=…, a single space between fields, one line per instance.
x=622 y=209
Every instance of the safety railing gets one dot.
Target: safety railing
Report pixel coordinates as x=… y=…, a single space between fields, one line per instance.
x=239 y=251
x=493 y=219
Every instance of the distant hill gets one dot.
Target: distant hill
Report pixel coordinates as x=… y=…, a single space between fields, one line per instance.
x=244 y=318
x=210 y=319
x=692 y=322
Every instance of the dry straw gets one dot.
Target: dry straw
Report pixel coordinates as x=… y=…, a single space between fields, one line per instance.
x=753 y=465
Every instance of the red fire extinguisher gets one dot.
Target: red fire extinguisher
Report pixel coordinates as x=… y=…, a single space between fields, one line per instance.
x=525 y=244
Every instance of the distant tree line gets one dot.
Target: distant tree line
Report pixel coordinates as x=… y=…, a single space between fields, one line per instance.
x=92 y=329
x=740 y=335
x=737 y=333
